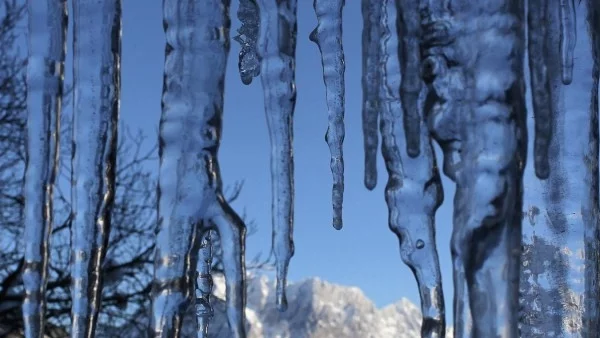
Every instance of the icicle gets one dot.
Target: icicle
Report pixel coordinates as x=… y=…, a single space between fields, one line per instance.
x=590 y=207
x=410 y=88
x=371 y=77
x=249 y=61
x=414 y=189
x=204 y=310
x=568 y=38
x=190 y=188
x=328 y=37
x=489 y=95
x=540 y=85
x=45 y=76
x=277 y=49
x=96 y=81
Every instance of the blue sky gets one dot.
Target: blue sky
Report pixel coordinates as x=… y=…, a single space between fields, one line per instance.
x=365 y=252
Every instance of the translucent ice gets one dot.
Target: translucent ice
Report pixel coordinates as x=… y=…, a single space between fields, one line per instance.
x=414 y=189
x=96 y=82
x=277 y=49
x=328 y=36
x=477 y=103
x=249 y=62
x=191 y=201
x=371 y=77
x=45 y=76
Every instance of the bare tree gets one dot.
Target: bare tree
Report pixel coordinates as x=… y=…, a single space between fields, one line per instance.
x=128 y=265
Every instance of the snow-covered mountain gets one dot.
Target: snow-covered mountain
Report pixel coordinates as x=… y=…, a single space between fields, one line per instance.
x=316 y=309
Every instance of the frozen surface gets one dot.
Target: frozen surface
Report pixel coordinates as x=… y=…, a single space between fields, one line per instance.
x=96 y=81
x=328 y=37
x=277 y=49
x=45 y=76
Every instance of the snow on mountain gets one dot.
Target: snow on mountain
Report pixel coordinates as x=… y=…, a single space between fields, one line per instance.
x=317 y=309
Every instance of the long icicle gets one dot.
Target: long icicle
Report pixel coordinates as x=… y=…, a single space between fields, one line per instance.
x=328 y=37
x=538 y=44
x=414 y=189
x=190 y=187
x=204 y=310
x=249 y=61
x=371 y=77
x=277 y=49
x=568 y=38
x=97 y=83
x=45 y=77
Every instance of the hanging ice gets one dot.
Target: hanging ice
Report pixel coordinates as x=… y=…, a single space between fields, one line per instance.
x=328 y=37
x=191 y=200
x=538 y=47
x=249 y=61
x=410 y=88
x=277 y=49
x=568 y=38
x=560 y=261
x=414 y=189
x=371 y=77
x=481 y=89
x=96 y=81
x=204 y=310
x=45 y=75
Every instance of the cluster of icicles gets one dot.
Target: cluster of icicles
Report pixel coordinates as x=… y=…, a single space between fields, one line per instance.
x=443 y=70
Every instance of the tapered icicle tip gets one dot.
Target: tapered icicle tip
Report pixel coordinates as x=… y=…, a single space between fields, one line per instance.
x=281 y=298
x=568 y=39
x=370 y=179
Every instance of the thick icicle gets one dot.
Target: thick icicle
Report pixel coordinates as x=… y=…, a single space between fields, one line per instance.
x=568 y=38
x=371 y=77
x=277 y=49
x=97 y=83
x=249 y=61
x=410 y=88
x=538 y=45
x=414 y=189
x=45 y=76
x=190 y=187
x=328 y=36
x=204 y=310
x=481 y=89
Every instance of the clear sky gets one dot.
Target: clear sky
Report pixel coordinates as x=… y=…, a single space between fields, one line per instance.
x=365 y=252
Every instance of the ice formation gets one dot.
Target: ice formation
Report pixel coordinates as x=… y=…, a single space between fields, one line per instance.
x=191 y=201
x=249 y=61
x=204 y=288
x=328 y=36
x=451 y=71
x=45 y=76
x=96 y=82
x=559 y=275
x=414 y=189
x=277 y=50
x=476 y=110
x=371 y=77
